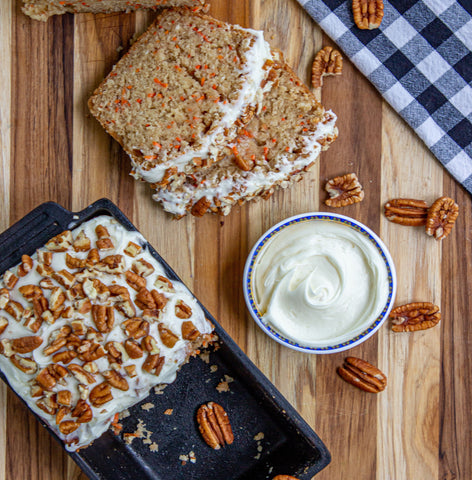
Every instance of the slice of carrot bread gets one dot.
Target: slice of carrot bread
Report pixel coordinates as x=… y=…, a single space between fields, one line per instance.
x=43 y=9
x=180 y=92
x=281 y=141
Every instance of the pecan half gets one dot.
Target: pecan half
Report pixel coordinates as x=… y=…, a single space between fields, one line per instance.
x=200 y=208
x=344 y=190
x=61 y=242
x=30 y=292
x=82 y=412
x=134 y=280
x=133 y=349
x=104 y=318
x=81 y=242
x=189 y=331
x=415 y=316
x=406 y=211
x=153 y=364
x=328 y=61
x=101 y=394
x=159 y=298
x=64 y=357
x=81 y=374
x=25 y=266
x=68 y=426
x=182 y=310
x=150 y=345
x=117 y=353
x=368 y=14
x=26 y=344
x=362 y=375
x=135 y=328
x=116 y=380
x=441 y=217
x=168 y=338
x=144 y=300
x=132 y=249
x=214 y=425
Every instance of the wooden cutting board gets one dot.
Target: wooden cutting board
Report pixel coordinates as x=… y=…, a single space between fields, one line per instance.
x=51 y=149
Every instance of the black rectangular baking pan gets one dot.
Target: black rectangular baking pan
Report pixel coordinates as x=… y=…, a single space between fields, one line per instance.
x=289 y=446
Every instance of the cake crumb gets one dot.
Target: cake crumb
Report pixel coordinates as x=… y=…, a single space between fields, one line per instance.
x=193 y=458
x=259 y=436
x=168 y=411
x=205 y=356
x=159 y=389
x=183 y=459
x=140 y=432
x=147 y=406
x=154 y=447
x=124 y=414
x=257 y=456
x=213 y=368
x=223 y=386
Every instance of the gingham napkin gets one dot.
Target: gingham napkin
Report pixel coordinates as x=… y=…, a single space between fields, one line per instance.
x=420 y=60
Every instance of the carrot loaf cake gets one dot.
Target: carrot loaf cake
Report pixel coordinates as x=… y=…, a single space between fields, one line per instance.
x=281 y=141
x=89 y=324
x=180 y=92
x=43 y=9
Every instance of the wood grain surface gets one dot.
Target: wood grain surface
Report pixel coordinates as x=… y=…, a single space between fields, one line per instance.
x=51 y=149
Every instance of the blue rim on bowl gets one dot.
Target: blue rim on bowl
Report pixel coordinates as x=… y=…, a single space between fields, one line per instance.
x=248 y=279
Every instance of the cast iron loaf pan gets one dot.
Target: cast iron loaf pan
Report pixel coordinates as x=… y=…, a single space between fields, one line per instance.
x=289 y=446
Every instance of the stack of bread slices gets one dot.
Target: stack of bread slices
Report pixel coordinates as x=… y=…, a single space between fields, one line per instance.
x=209 y=115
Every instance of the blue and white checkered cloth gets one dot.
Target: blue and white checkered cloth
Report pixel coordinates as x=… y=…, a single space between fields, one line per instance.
x=420 y=60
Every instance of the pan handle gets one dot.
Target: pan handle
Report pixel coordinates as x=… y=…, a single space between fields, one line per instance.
x=36 y=228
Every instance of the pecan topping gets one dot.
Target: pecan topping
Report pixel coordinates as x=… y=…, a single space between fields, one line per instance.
x=116 y=352
x=363 y=375
x=15 y=309
x=344 y=190
x=143 y=268
x=415 y=316
x=134 y=280
x=136 y=328
x=25 y=266
x=189 y=331
x=3 y=324
x=44 y=257
x=65 y=278
x=182 y=310
x=93 y=257
x=132 y=249
x=407 y=211
x=168 y=338
x=284 y=477
x=133 y=349
x=214 y=425
x=90 y=351
x=82 y=412
x=159 y=298
x=48 y=404
x=81 y=374
x=30 y=292
x=68 y=426
x=56 y=299
x=328 y=61
x=26 y=344
x=5 y=297
x=150 y=345
x=101 y=394
x=26 y=365
x=64 y=357
x=153 y=364
x=50 y=375
x=104 y=318
x=200 y=208
x=9 y=279
x=75 y=263
x=441 y=217
x=81 y=242
x=368 y=14
x=104 y=241
x=64 y=397
x=112 y=264
x=116 y=380
x=144 y=300
x=131 y=370
x=55 y=346
x=241 y=162
x=61 y=242
x=164 y=284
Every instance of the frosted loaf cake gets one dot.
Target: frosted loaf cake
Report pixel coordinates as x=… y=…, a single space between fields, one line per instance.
x=89 y=324
x=181 y=92
x=43 y=9
x=281 y=141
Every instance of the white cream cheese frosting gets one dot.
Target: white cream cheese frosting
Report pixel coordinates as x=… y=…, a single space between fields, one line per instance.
x=140 y=384
x=320 y=283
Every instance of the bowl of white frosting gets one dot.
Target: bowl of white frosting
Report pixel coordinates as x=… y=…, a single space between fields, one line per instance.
x=319 y=282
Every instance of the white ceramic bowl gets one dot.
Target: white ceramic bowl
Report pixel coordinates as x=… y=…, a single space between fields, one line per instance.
x=356 y=339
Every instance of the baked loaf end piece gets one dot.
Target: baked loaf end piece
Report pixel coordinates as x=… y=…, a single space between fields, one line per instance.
x=43 y=9
x=282 y=140
x=179 y=91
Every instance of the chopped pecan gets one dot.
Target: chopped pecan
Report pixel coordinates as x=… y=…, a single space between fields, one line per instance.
x=117 y=353
x=75 y=263
x=168 y=338
x=328 y=61
x=118 y=293
x=3 y=324
x=242 y=162
x=64 y=397
x=153 y=364
x=56 y=299
x=81 y=374
x=9 y=279
x=90 y=351
x=61 y=413
x=344 y=190
x=104 y=241
x=26 y=365
x=61 y=242
x=83 y=306
x=441 y=217
x=44 y=270
x=65 y=278
x=44 y=257
x=368 y=14
x=363 y=375
x=40 y=305
x=68 y=426
x=64 y=357
x=159 y=299
x=141 y=267
x=81 y=242
x=4 y=297
x=133 y=349
x=101 y=394
x=82 y=412
x=104 y=318
x=135 y=328
x=93 y=257
x=131 y=370
x=189 y=331
x=112 y=264
x=76 y=292
x=90 y=367
x=200 y=207
x=36 y=390
x=26 y=344
x=182 y=310
x=150 y=345
x=164 y=284
x=95 y=289
x=78 y=327
x=116 y=380
x=415 y=316
x=67 y=312
x=15 y=309
x=151 y=315
x=126 y=308
x=134 y=280
x=32 y=322
x=48 y=404
x=132 y=250
x=55 y=346
x=144 y=300
x=83 y=390
x=5 y=347
x=214 y=425
x=30 y=291
x=406 y=211
x=25 y=266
